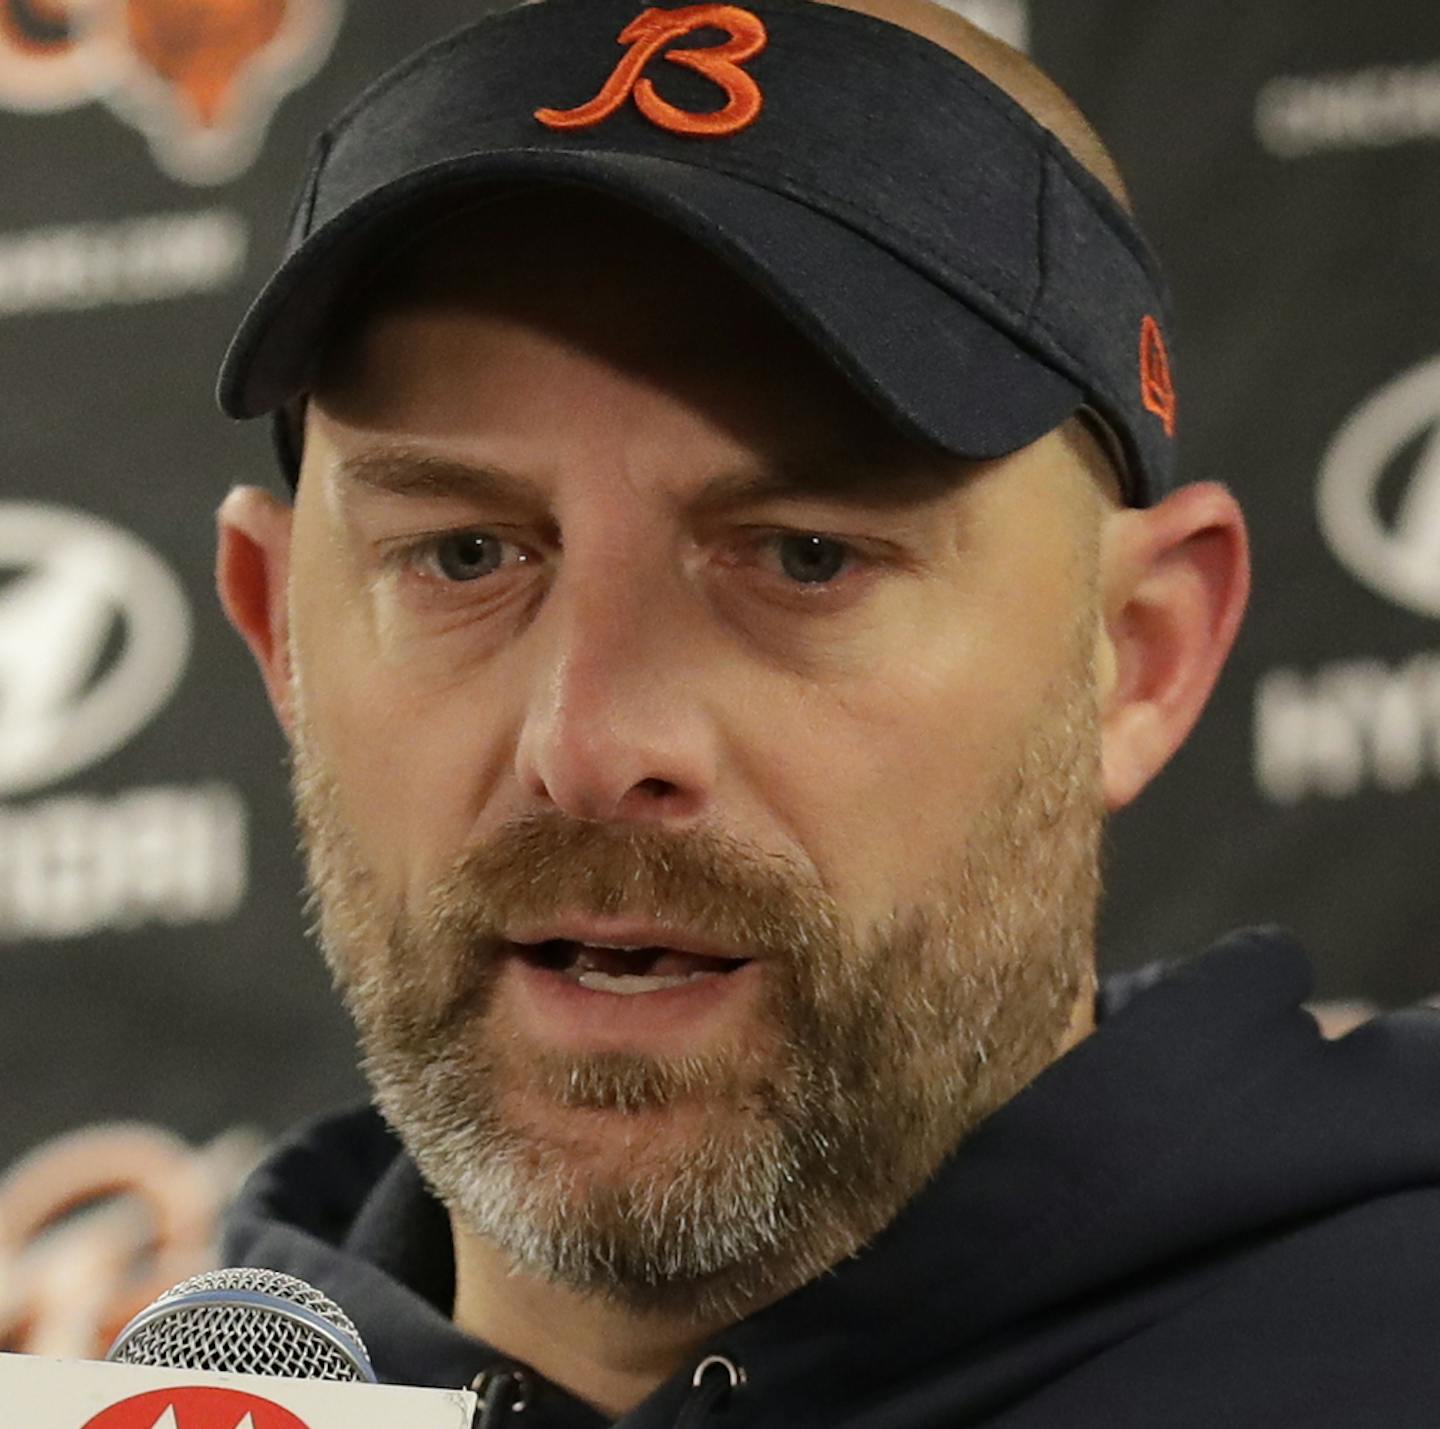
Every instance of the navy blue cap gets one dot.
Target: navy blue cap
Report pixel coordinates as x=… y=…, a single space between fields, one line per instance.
x=938 y=244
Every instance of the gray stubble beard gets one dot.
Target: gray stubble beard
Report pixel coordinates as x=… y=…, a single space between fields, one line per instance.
x=887 y=1049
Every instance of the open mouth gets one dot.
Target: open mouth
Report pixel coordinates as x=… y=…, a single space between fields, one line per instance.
x=628 y=972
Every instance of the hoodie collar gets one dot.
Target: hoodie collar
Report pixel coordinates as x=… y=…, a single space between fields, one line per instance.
x=1205 y=1110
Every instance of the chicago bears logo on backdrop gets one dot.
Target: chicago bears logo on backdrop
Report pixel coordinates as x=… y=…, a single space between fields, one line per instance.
x=98 y=1222
x=199 y=78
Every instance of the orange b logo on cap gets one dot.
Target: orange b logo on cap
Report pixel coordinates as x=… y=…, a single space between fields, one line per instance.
x=1157 y=387
x=647 y=36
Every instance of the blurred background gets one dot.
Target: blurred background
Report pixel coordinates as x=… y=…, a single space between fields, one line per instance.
x=161 y=1013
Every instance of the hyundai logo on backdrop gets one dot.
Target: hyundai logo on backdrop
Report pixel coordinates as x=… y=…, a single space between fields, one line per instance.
x=1359 y=723
x=1390 y=539
x=94 y=636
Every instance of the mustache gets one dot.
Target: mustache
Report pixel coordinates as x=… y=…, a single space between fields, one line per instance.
x=545 y=864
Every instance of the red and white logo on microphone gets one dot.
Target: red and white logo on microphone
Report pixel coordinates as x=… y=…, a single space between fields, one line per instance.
x=195 y=1409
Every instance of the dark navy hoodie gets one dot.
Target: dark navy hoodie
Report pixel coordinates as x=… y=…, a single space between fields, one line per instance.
x=1203 y=1215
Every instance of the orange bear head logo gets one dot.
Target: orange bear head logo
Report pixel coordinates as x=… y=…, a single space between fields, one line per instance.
x=201 y=48
x=200 y=78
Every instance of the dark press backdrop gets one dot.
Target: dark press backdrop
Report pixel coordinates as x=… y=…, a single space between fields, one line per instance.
x=161 y=1009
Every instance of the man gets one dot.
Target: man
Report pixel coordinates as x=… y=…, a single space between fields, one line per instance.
x=734 y=566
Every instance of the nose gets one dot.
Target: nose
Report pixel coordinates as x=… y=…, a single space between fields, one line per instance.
x=616 y=727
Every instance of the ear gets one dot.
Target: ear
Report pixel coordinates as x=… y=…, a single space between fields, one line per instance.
x=1175 y=581
x=252 y=570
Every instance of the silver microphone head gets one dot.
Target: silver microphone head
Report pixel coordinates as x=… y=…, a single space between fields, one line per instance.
x=245 y=1321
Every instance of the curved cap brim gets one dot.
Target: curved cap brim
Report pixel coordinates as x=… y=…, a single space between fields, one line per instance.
x=922 y=355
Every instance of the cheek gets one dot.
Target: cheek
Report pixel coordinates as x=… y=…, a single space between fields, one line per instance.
x=881 y=778
x=877 y=780
x=406 y=743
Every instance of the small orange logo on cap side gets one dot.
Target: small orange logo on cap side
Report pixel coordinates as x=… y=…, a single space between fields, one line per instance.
x=647 y=36
x=1157 y=387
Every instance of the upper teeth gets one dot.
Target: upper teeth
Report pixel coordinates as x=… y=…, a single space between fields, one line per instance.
x=628 y=985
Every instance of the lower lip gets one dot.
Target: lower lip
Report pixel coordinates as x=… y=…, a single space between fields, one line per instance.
x=558 y=1011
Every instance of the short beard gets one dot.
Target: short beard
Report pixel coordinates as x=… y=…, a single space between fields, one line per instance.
x=877 y=1052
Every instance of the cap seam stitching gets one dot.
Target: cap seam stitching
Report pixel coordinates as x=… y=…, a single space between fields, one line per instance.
x=381 y=87
x=1042 y=190
x=322 y=157
x=1096 y=196
x=1021 y=316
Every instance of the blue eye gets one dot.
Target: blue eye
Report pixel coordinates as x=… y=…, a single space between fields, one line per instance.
x=469 y=555
x=812 y=560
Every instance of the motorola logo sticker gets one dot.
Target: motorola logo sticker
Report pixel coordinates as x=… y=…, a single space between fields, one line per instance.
x=1379 y=493
x=94 y=636
x=198 y=1408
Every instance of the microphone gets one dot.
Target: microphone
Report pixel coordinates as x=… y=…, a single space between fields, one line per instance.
x=250 y=1348
x=246 y=1321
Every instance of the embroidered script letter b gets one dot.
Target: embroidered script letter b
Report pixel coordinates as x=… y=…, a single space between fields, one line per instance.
x=647 y=36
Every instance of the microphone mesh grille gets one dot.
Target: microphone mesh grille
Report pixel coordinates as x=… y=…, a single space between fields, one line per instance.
x=217 y=1334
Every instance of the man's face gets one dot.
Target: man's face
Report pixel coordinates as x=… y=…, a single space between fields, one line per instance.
x=698 y=778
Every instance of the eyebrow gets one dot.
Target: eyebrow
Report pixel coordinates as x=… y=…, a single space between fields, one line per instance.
x=400 y=471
